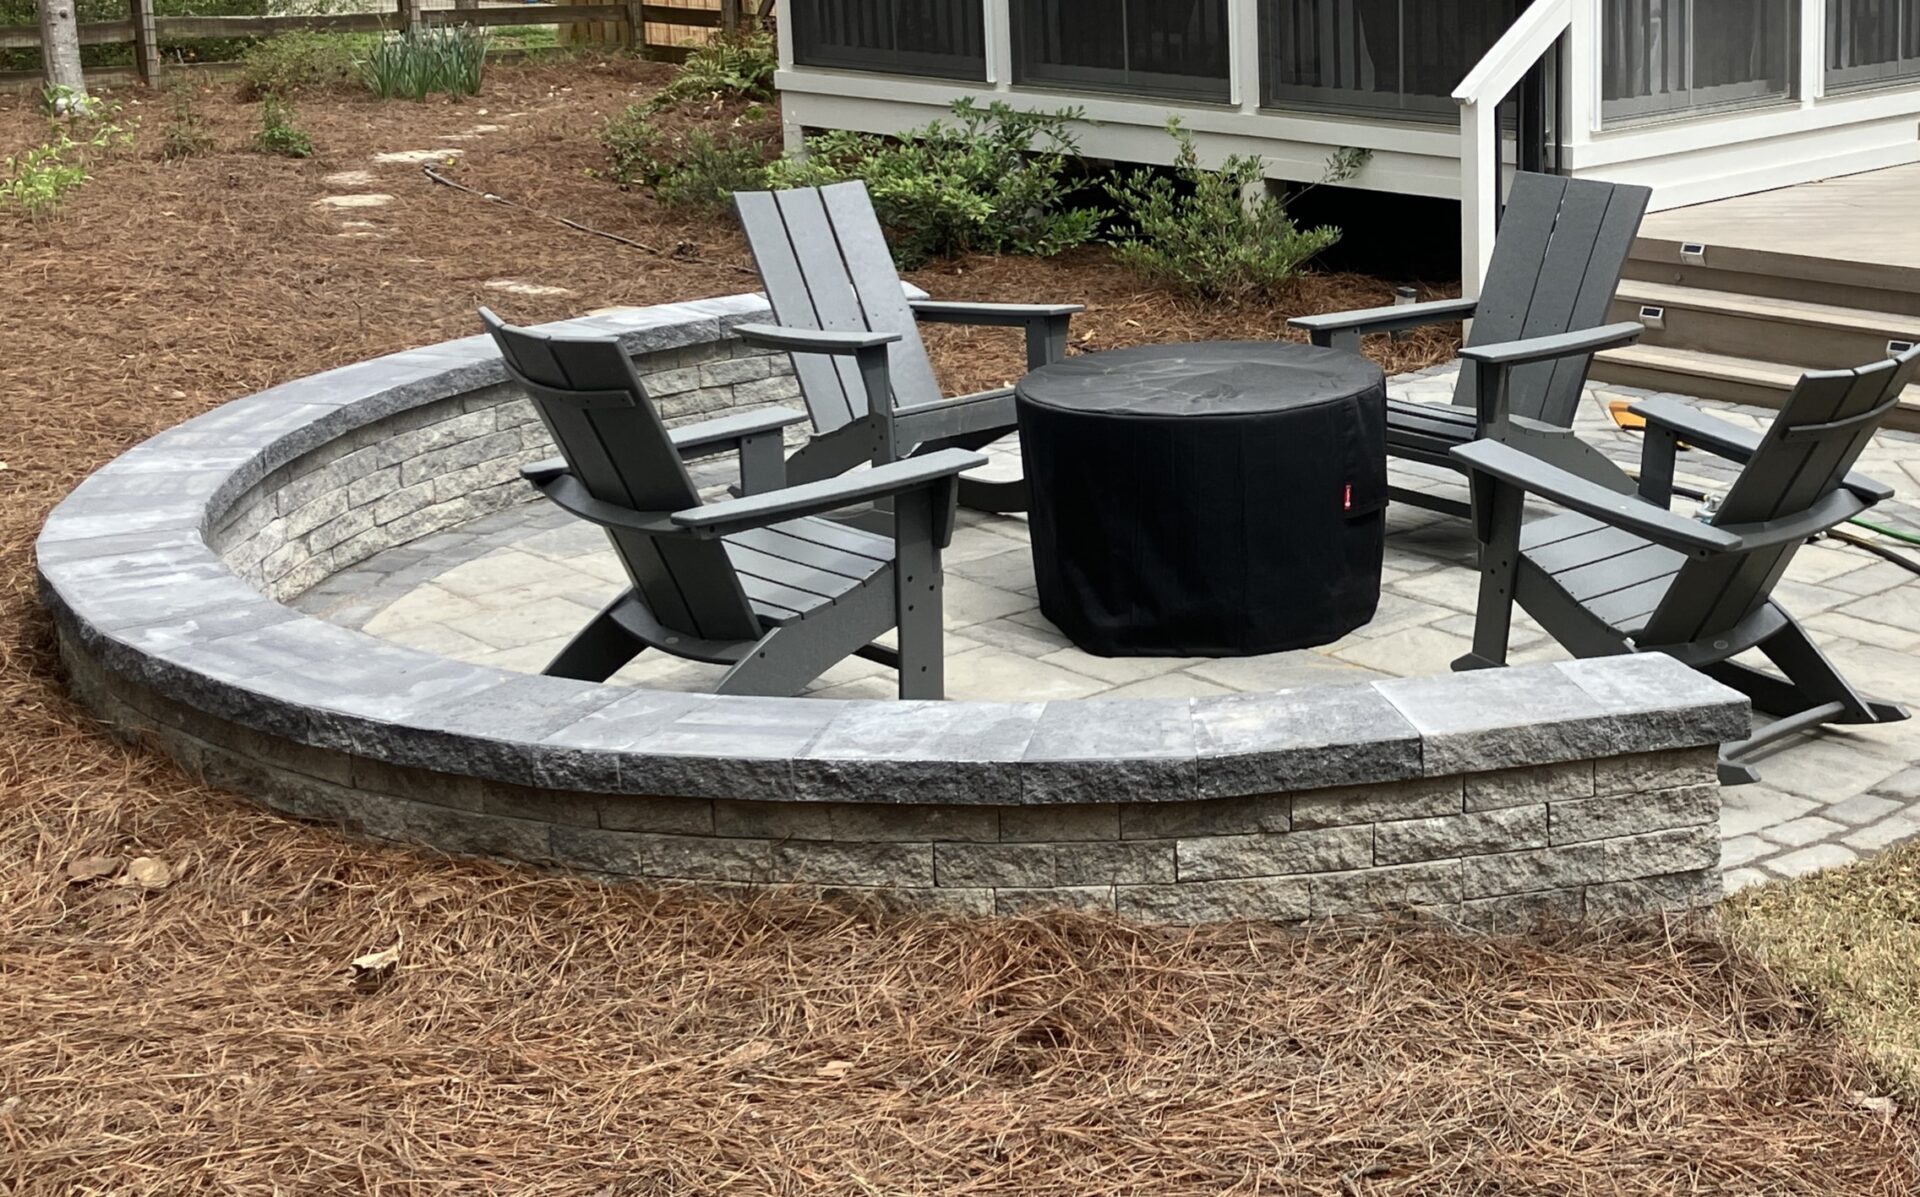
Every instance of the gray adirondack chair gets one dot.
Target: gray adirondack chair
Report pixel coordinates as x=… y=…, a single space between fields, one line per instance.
x=832 y=284
x=759 y=583
x=1622 y=573
x=1562 y=247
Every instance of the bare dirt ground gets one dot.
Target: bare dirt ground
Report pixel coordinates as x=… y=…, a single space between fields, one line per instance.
x=548 y=1035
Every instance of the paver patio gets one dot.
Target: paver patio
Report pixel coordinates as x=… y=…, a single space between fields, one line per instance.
x=509 y=590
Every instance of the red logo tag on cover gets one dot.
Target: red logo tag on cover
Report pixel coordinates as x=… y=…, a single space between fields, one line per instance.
x=1346 y=504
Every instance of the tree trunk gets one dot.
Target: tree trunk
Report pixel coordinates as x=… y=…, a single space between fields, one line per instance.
x=60 y=51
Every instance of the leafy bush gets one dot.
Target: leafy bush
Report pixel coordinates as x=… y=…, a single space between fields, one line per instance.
x=994 y=180
x=184 y=135
x=725 y=69
x=292 y=63
x=425 y=60
x=35 y=181
x=1198 y=232
x=693 y=168
x=278 y=134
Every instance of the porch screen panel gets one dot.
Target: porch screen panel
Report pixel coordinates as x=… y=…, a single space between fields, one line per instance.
x=1402 y=55
x=1175 y=48
x=943 y=38
x=1674 y=56
x=1872 y=41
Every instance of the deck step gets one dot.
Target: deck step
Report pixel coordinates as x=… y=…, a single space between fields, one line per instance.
x=1790 y=332
x=1719 y=376
x=1864 y=285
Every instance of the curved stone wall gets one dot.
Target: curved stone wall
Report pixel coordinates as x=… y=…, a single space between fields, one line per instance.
x=1575 y=787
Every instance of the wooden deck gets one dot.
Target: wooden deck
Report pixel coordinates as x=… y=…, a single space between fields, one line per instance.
x=1740 y=296
x=1865 y=219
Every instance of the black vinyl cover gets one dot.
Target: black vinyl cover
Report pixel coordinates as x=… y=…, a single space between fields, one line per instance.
x=1208 y=500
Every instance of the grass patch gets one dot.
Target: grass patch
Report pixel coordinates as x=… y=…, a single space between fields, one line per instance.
x=1852 y=937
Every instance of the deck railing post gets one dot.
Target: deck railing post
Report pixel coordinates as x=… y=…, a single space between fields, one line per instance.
x=1479 y=191
x=146 y=42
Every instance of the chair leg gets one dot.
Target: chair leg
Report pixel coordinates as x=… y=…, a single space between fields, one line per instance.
x=1813 y=694
x=598 y=650
x=998 y=498
x=790 y=656
x=1497 y=516
x=1558 y=446
x=917 y=597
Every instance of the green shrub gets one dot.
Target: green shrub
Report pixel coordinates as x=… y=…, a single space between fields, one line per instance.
x=35 y=181
x=184 y=135
x=695 y=168
x=425 y=60
x=1198 y=232
x=994 y=180
x=293 y=63
x=725 y=69
x=278 y=134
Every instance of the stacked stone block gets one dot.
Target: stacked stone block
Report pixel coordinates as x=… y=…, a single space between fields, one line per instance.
x=1493 y=851
x=445 y=463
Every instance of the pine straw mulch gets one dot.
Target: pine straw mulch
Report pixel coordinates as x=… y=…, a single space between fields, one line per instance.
x=548 y=1035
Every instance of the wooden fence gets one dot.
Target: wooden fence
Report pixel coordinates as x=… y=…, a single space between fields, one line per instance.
x=146 y=31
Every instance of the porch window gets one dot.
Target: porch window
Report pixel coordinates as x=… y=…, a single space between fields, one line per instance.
x=1872 y=41
x=1404 y=56
x=1175 y=48
x=1671 y=56
x=943 y=38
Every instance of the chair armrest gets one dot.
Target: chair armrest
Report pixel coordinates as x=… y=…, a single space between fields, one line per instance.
x=832 y=494
x=1490 y=367
x=1046 y=323
x=1556 y=346
x=935 y=311
x=731 y=430
x=570 y=495
x=1336 y=327
x=1528 y=473
x=810 y=340
x=1732 y=442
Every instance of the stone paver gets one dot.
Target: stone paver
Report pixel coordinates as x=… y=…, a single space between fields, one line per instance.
x=508 y=589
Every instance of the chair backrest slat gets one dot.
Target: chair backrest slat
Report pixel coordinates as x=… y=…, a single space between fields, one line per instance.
x=831 y=386
x=869 y=263
x=824 y=260
x=1820 y=433
x=1562 y=248
x=594 y=406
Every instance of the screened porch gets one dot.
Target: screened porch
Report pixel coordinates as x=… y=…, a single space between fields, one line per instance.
x=1393 y=58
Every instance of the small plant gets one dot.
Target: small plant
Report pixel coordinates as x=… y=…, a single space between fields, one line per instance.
x=696 y=168
x=727 y=68
x=993 y=180
x=278 y=133
x=184 y=135
x=426 y=60
x=294 y=63
x=1209 y=233
x=37 y=180
x=61 y=101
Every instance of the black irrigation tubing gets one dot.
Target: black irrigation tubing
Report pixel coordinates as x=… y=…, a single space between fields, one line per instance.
x=490 y=197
